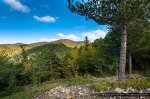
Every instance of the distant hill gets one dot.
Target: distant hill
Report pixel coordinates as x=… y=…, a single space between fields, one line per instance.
x=52 y=47
x=70 y=43
x=13 y=49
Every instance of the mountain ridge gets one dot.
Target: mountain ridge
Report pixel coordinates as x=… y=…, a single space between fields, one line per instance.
x=13 y=49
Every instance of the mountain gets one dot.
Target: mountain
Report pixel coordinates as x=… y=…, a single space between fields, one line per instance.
x=51 y=47
x=70 y=43
x=13 y=49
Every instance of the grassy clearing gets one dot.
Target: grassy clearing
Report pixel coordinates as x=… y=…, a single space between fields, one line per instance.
x=29 y=91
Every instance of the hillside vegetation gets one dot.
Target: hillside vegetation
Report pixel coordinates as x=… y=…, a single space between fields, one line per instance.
x=116 y=63
x=14 y=49
x=55 y=61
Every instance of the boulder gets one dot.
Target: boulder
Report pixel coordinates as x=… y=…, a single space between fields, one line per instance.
x=118 y=90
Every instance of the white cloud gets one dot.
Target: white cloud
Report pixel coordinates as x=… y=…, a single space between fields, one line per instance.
x=45 y=19
x=47 y=40
x=9 y=42
x=61 y=35
x=16 y=41
x=17 y=5
x=71 y=36
x=93 y=35
x=3 y=42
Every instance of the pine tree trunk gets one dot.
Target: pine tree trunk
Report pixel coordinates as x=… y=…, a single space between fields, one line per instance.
x=130 y=64
x=122 y=64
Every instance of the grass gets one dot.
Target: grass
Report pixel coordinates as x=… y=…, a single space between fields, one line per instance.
x=29 y=91
x=19 y=95
x=77 y=81
x=134 y=83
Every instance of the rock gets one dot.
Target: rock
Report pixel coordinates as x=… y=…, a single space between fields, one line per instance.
x=79 y=92
x=148 y=89
x=73 y=92
x=133 y=90
x=125 y=92
x=141 y=91
x=118 y=90
x=130 y=89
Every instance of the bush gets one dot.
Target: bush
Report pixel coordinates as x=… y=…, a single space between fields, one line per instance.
x=147 y=73
x=102 y=86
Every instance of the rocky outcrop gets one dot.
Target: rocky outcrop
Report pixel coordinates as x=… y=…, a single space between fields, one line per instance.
x=73 y=92
x=84 y=92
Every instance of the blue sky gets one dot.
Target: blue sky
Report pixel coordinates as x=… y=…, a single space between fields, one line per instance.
x=29 y=21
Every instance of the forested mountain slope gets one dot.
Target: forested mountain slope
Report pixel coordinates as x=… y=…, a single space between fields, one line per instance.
x=14 y=49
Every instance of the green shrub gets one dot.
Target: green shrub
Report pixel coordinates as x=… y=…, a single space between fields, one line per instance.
x=102 y=86
x=147 y=73
x=134 y=83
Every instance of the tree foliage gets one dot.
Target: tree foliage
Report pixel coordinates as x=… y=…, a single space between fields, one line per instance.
x=111 y=12
x=116 y=14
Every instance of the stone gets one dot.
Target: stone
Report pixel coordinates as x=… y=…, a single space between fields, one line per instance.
x=141 y=91
x=118 y=90
x=129 y=89
x=69 y=92
x=133 y=90
x=148 y=89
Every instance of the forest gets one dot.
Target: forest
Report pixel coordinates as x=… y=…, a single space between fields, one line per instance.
x=35 y=65
x=57 y=61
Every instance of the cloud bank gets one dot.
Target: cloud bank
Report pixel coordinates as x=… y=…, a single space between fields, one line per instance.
x=93 y=35
x=47 y=40
x=70 y=36
x=17 y=5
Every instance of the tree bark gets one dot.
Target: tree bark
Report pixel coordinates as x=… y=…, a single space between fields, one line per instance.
x=122 y=63
x=130 y=64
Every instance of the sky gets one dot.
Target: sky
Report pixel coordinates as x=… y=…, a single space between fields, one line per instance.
x=30 y=21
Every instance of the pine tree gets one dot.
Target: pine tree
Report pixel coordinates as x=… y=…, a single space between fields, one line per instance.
x=114 y=13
